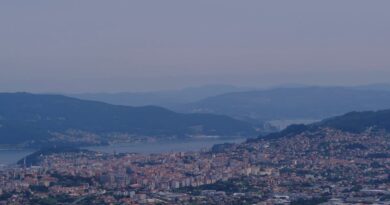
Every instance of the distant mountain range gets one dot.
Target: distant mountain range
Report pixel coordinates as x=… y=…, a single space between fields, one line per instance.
x=32 y=118
x=278 y=107
x=378 y=86
x=298 y=103
x=168 y=98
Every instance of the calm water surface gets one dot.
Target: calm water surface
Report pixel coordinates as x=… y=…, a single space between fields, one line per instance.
x=11 y=156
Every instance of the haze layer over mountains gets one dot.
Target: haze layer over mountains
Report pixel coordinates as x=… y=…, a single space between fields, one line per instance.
x=286 y=104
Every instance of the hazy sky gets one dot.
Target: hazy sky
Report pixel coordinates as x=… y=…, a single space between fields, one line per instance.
x=93 y=45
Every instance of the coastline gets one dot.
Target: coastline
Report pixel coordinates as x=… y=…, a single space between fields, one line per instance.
x=10 y=155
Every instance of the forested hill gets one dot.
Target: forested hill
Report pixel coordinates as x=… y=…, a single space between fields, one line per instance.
x=27 y=117
x=354 y=122
x=360 y=121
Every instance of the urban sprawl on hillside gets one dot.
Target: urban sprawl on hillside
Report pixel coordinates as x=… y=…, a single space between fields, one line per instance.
x=323 y=166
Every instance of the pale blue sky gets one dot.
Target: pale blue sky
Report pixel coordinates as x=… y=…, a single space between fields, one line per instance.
x=95 y=45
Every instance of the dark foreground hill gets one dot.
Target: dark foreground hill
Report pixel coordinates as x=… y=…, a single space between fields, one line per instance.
x=360 y=121
x=353 y=122
x=29 y=117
